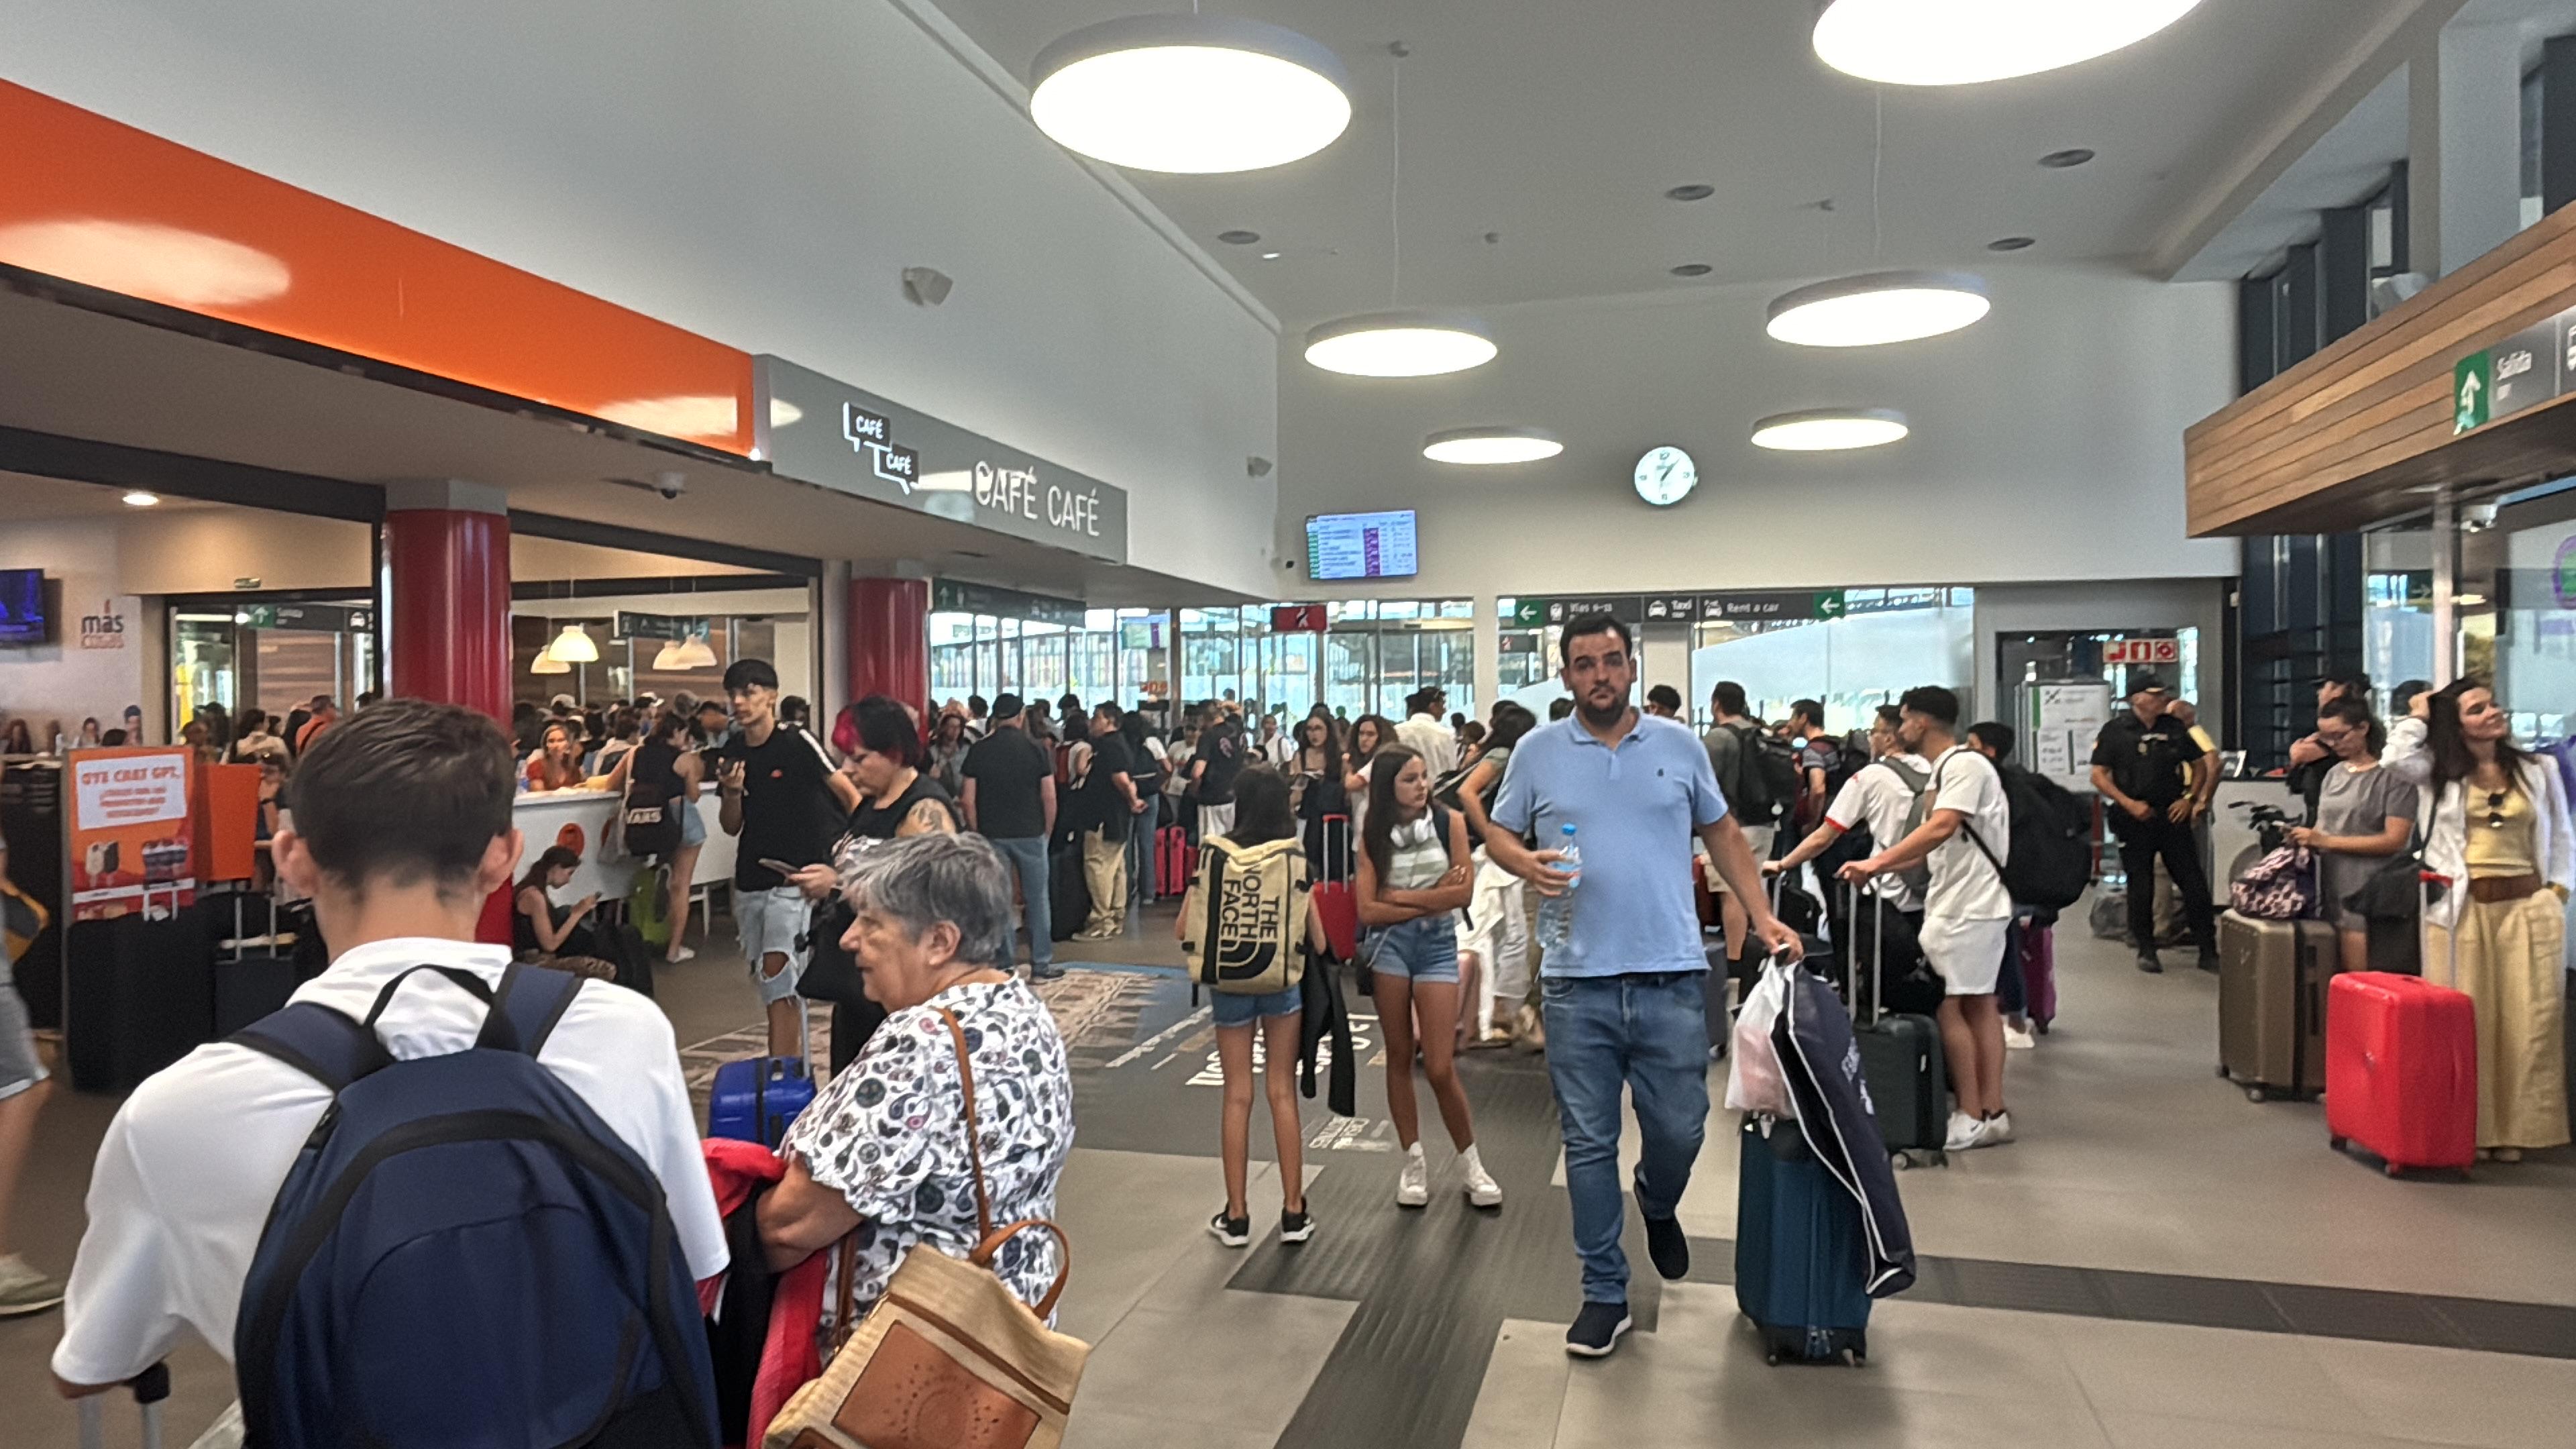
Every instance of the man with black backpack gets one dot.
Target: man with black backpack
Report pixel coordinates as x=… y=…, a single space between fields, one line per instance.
x=1966 y=837
x=1756 y=775
x=394 y=1236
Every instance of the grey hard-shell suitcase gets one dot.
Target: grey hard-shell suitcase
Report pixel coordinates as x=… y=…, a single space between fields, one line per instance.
x=2272 y=978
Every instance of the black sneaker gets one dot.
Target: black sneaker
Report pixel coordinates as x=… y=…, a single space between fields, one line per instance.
x=2148 y=963
x=1048 y=972
x=1666 y=1243
x=1233 y=1232
x=2208 y=960
x=1596 y=1329
x=1295 y=1227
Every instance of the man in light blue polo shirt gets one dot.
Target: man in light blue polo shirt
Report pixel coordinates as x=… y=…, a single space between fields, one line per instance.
x=1624 y=994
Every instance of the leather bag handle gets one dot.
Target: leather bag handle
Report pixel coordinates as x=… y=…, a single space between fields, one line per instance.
x=984 y=1251
x=974 y=1131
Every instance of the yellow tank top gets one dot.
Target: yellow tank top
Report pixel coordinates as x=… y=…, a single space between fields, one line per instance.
x=2503 y=833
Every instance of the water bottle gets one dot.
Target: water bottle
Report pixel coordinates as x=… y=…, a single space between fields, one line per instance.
x=1556 y=913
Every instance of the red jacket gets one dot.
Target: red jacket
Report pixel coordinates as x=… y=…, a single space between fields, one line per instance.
x=791 y=1357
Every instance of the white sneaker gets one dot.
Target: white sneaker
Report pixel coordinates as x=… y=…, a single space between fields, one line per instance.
x=2019 y=1039
x=1965 y=1132
x=1998 y=1130
x=680 y=954
x=1413 y=1187
x=1482 y=1190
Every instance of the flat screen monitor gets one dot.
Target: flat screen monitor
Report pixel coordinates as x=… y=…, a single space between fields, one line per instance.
x=23 y=619
x=1361 y=546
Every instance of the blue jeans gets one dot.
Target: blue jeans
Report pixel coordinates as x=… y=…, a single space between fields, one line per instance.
x=1649 y=1032
x=1140 y=855
x=1029 y=857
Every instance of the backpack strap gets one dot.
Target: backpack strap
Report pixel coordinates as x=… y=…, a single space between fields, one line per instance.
x=1213 y=862
x=525 y=1008
x=1968 y=824
x=317 y=1041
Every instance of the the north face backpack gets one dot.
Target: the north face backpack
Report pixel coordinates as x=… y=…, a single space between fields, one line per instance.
x=1248 y=935
x=463 y=1252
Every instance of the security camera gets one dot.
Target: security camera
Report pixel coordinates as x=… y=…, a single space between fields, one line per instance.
x=1257 y=466
x=2477 y=518
x=671 y=484
x=926 y=286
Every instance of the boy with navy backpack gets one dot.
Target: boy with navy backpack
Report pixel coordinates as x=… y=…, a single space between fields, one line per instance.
x=501 y=1156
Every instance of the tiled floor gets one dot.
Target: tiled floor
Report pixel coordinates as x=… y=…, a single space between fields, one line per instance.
x=2146 y=1208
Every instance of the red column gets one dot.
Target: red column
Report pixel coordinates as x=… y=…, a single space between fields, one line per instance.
x=890 y=640
x=450 y=635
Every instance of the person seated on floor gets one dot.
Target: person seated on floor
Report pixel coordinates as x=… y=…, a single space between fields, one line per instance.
x=540 y=928
x=884 y=1147
x=400 y=830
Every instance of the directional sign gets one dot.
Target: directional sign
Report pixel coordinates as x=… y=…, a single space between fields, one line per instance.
x=2142 y=651
x=956 y=596
x=2468 y=393
x=1537 y=613
x=311 y=618
x=1299 y=618
x=657 y=626
x=1777 y=605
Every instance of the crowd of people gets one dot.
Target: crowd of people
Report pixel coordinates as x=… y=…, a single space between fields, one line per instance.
x=1597 y=886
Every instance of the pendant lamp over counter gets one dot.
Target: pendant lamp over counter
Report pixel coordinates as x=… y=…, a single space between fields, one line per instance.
x=574 y=646
x=1876 y=308
x=547 y=663
x=1964 y=42
x=685 y=654
x=1190 y=94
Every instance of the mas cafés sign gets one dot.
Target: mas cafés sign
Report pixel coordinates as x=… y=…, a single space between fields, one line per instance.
x=824 y=431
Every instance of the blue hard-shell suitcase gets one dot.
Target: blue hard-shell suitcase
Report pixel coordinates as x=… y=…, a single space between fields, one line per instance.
x=755 y=1099
x=1800 y=1262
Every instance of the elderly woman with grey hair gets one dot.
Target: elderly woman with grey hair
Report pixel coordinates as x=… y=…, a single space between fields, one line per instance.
x=882 y=1157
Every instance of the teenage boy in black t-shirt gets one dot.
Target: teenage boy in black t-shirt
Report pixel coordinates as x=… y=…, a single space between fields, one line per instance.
x=1220 y=759
x=786 y=803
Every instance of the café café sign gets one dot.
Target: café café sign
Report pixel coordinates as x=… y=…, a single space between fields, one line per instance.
x=824 y=431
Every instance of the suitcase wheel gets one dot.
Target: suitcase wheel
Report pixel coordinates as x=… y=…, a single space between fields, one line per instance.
x=1900 y=1160
x=2256 y=1094
x=2336 y=1143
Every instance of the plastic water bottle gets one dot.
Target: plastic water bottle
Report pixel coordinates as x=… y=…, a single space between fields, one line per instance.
x=1556 y=913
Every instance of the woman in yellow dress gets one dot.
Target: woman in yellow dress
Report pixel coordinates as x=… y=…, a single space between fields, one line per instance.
x=2496 y=825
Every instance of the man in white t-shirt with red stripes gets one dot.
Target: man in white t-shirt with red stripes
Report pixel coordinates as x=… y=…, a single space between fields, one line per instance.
x=1966 y=835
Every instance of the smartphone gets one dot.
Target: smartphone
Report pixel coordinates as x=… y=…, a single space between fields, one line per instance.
x=780 y=866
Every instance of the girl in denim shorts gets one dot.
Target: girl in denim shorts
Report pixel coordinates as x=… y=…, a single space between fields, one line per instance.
x=1415 y=873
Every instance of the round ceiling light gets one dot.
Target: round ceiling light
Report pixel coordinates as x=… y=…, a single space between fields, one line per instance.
x=1693 y=269
x=1696 y=191
x=1400 y=344
x=1238 y=237
x=1826 y=430
x=574 y=646
x=141 y=499
x=1880 y=307
x=1192 y=94
x=1484 y=447
x=2011 y=244
x=1961 y=42
x=2068 y=159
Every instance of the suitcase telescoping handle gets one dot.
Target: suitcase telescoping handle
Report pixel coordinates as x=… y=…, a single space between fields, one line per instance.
x=1877 y=953
x=1343 y=833
x=150 y=1387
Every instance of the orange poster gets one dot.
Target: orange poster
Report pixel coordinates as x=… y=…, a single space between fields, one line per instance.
x=131 y=844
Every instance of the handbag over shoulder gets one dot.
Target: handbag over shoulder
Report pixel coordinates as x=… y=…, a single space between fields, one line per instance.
x=949 y=1358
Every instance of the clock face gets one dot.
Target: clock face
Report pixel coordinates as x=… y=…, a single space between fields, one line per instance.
x=1665 y=476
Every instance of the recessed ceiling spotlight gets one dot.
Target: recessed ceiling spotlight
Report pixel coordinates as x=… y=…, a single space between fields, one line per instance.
x=1272 y=256
x=1880 y=307
x=2011 y=244
x=1484 y=447
x=139 y=499
x=2071 y=156
x=1696 y=191
x=1400 y=344
x=1961 y=42
x=1693 y=269
x=1192 y=94
x=1241 y=238
x=1826 y=430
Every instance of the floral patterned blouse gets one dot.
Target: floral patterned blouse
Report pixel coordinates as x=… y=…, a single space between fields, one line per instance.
x=889 y=1134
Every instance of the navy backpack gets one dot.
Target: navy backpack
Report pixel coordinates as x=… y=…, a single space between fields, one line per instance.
x=463 y=1252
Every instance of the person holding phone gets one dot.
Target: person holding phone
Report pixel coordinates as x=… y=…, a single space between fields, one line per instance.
x=540 y=928
x=780 y=796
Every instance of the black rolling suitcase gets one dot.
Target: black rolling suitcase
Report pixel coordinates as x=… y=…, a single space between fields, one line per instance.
x=1900 y=1057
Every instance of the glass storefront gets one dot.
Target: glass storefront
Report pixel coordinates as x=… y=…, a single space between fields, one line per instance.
x=272 y=657
x=1889 y=641
x=1115 y=652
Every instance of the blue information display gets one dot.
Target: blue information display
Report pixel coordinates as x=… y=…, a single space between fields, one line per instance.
x=1361 y=546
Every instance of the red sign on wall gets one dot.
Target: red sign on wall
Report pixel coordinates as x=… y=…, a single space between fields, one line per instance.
x=2142 y=651
x=1299 y=618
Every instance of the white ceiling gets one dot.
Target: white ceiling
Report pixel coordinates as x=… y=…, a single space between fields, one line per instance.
x=1559 y=126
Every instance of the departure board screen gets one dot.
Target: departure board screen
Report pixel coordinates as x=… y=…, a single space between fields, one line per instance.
x=1361 y=546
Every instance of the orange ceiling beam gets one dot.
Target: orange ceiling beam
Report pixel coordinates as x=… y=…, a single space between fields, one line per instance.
x=97 y=202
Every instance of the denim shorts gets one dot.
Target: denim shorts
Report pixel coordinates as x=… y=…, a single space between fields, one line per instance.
x=773 y=922
x=19 y=1066
x=1240 y=1009
x=1425 y=949
x=693 y=826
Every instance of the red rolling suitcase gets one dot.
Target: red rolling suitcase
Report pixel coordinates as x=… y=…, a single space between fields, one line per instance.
x=1171 y=861
x=1331 y=894
x=2039 y=975
x=2402 y=1070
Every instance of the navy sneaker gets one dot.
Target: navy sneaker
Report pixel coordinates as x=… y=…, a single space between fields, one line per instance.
x=1666 y=1243
x=1596 y=1329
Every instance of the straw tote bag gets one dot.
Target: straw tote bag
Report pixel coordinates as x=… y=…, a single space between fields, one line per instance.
x=949 y=1358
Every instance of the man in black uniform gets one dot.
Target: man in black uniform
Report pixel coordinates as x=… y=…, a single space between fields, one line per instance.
x=2138 y=764
x=786 y=804
x=1107 y=811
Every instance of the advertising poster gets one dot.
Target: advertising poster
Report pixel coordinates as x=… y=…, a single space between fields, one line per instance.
x=132 y=849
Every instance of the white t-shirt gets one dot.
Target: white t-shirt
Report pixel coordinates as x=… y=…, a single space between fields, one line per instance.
x=1432 y=739
x=1966 y=885
x=195 y=1157
x=1879 y=799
